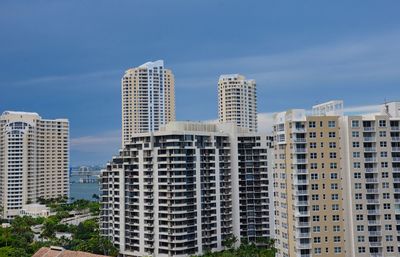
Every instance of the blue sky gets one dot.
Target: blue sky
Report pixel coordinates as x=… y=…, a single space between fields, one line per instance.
x=66 y=58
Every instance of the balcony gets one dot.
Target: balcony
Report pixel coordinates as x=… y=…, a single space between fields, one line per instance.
x=372 y=191
x=299 y=161
x=373 y=201
x=395 y=128
x=301 y=192
x=300 y=171
x=302 y=213
x=395 y=149
x=303 y=235
x=370 y=159
x=374 y=222
x=369 y=139
x=396 y=159
x=371 y=180
x=300 y=181
x=371 y=170
x=300 y=150
x=303 y=246
x=299 y=140
x=299 y=129
x=369 y=149
x=303 y=224
x=369 y=128
x=302 y=203
x=374 y=233
x=396 y=139
x=375 y=244
x=373 y=212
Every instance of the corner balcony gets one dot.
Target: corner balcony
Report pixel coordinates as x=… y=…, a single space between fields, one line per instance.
x=299 y=140
x=300 y=150
x=299 y=161
x=302 y=213
x=303 y=235
x=300 y=181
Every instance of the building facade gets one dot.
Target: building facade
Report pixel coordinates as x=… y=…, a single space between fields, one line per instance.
x=372 y=152
x=148 y=99
x=34 y=160
x=237 y=101
x=336 y=182
x=307 y=182
x=184 y=190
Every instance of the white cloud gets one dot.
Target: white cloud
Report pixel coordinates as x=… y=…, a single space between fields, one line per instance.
x=375 y=58
x=104 y=142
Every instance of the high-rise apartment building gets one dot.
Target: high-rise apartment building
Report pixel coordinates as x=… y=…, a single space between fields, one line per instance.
x=34 y=160
x=148 y=99
x=185 y=189
x=237 y=101
x=337 y=182
x=371 y=149
x=308 y=185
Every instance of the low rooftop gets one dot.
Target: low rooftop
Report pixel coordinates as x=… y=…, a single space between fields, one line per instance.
x=61 y=252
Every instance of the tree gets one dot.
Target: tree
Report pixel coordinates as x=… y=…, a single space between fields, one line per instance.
x=229 y=242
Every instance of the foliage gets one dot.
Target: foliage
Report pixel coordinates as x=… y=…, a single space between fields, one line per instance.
x=263 y=248
x=18 y=240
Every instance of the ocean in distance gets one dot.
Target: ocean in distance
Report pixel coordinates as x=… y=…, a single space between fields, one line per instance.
x=82 y=190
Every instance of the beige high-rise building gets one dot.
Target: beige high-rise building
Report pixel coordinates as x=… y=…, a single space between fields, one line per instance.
x=148 y=99
x=337 y=182
x=307 y=182
x=34 y=160
x=237 y=101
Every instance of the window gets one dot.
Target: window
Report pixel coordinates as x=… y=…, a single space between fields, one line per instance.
x=361 y=239
x=359 y=217
x=332 y=144
x=335 y=217
x=335 y=197
x=333 y=165
x=313 y=145
x=335 y=207
x=315 y=207
x=384 y=154
x=314 y=176
x=311 y=124
x=356 y=144
x=357 y=186
x=315 y=197
x=384 y=164
x=356 y=155
x=360 y=228
x=312 y=135
x=332 y=155
x=316 y=229
x=355 y=123
x=313 y=155
x=383 y=144
x=382 y=133
x=356 y=165
x=382 y=123
x=315 y=218
x=317 y=240
x=337 y=249
x=361 y=249
x=355 y=134
x=314 y=187
x=386 y=206
x=331 y=124
x=332 y=134
x=388 y=227
x=359 y=207
x=334 y=175
x=336 y=228
x=334 y=186
x=317 y=250
x=358 y=196
x=357 y=175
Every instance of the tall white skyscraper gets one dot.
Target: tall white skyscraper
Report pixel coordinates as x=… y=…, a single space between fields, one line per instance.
x=237 y=101
x=148 y=99
x=185 y=189
x=34 y=160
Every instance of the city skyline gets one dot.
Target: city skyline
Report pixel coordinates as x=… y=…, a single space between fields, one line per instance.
x=74 y=65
